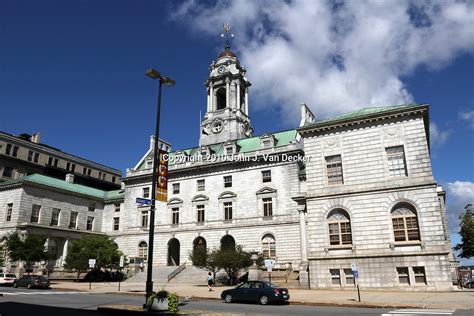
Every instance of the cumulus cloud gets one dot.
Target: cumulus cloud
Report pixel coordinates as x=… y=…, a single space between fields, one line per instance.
x=459 y=193
x=437 y=137
x=468 y=116
x=336 y=56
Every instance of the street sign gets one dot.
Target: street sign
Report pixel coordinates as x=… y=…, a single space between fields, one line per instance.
x=269 y=269
x=354 y=267
x=356 y=274
x=122 y=259
x=143 y=201
x=269 y=263
x=92 y=263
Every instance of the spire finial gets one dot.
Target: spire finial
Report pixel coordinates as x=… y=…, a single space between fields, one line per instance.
x=227 y=35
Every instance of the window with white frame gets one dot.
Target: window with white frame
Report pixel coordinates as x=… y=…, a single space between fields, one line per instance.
x=267 y=207
x=8 y=217
x=176 y=188
x=55 y=217
x=144 y=219
x=175 y=215
x=35 y=213
x=339 y=228
x=227 y=181
x=201 y=185
x=90 y=223
x=200 y=213
x=116 y=225
x=403 y=276
x=396 y=161
x=349 y=274
x=266 y=176
x=334 y=169
x=268 y=246
x=117 y=207
x=146 y=193
x=405 y=223
x=335 y=276
x=143 y=250
x=420 y=275
x=30 y=155
x=73 y=220
x=227 y=211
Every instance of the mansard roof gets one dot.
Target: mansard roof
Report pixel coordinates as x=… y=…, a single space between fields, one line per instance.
x=61 y=185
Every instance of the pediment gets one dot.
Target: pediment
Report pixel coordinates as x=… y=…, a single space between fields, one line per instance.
x=266 y=190
x=200 y=198
x=227 y=195
x=175 y=201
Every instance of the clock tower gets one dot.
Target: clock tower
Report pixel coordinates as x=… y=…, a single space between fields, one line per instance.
x=227 y=116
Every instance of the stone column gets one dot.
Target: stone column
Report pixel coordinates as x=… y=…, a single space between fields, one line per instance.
x=66 y=244
x=237 y=106
x=247 y=101
x=208 y=100
x=227 y=92
x=211 y=96
x=304 y=275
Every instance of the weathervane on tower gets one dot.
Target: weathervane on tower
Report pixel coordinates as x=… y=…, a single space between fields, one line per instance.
x=227 y=35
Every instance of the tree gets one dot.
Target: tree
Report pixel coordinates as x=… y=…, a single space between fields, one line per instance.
x=232 y=261
x=466 y=246
x=29 y=249
x=101 y=248
x=205 y=259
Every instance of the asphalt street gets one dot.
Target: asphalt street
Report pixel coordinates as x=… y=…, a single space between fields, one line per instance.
x=51 y=303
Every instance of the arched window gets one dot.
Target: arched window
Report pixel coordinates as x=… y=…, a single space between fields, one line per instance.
x=268 y=246
x=339 y=228
x=143 y=250
x=227 y=243
x=405 y=222
x=221 y=99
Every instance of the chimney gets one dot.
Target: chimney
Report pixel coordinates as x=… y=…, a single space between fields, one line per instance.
x=70 y=178
x=307 y=117
x=36 y=138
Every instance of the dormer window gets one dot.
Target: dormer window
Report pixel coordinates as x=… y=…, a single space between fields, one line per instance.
x=149 y=164
x=230 y=148
x=205 y=151
x=267 y=141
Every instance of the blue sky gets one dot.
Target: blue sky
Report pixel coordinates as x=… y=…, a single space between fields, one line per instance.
x=75 y=71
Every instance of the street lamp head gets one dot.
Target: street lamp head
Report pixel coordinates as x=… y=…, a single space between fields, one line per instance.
x=167 y=81
x=153 y=74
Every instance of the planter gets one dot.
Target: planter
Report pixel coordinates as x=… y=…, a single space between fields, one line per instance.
x=159 y=305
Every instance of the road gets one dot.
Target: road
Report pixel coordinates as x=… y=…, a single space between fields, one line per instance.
x=51 y=302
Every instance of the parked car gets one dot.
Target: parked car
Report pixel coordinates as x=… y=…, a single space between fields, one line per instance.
x=7 y=278
x=32 y=281
x=256 y=291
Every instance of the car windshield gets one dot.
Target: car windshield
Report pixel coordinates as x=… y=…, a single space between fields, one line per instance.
x=10 y=275
x=244 y=285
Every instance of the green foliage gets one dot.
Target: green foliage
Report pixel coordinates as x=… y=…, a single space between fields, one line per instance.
x=466 y=246
x=173 y=303
x=232 y=261
x=160 y=296
x=31 y=249
x=101 y=248
x=205 y=259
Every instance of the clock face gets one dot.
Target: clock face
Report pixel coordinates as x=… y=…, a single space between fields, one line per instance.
x=221 y=70
x=217 y=126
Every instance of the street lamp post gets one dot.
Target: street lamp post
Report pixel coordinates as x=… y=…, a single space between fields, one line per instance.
x=152 y=73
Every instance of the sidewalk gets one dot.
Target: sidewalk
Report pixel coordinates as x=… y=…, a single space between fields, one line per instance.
x=396 y=299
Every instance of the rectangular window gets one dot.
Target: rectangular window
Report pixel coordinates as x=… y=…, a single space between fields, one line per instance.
x=73 y=220
x=349 y=276
x=201 y=185
x=35 y=213
x=334 y=169
x=116 y=223
x=100 y=175
x=9 y=212
x=117 y=207
x=403 y=277
x=266 y=176
x=144 y=219
x=420 y=275
x=175 y=188
x=89 y=171
x=267 y=207
x=15 y=151
x=175 y=215
x=56 y=161
x=30 y=155
x=113 y=179
x=68 y=165
x=90 y=223
x=335 y=276
x=146 y=193
x=8 y=149
x=55 y=217
x=7 y=172
x=84 y=170
x=396 y=161
x=267 y=143
x=73 y=168
x=200 y=213
x=227 y=181
x=36 y=157
x=227 y=211
x=92 y=207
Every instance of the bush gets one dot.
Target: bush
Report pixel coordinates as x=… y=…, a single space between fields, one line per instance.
x=173 y=303
x=173 y=300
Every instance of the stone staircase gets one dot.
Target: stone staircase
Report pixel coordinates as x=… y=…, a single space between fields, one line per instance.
x=190 y=275
x=160 y=275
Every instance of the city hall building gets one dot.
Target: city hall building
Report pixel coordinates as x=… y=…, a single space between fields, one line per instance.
x=328 y=198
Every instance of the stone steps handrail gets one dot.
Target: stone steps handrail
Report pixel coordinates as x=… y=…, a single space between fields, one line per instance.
x=176 y=271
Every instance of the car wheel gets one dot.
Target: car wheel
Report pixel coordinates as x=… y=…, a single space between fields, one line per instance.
x=29 y=286
x=264 y=300
x=228 y=298
x=15 y=285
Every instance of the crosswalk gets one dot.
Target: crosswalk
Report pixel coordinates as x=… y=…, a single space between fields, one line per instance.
x=416 y=312
x=40 y=293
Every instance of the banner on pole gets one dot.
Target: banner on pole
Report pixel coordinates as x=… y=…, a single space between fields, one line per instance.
x=162 y=177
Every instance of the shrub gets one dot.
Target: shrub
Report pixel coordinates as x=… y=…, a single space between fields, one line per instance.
x=173 y=303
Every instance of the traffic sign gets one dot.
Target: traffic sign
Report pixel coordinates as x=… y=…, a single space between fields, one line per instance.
x=122 y=259
x=92 y=263
x=269 y=263
x=356 y=274
x=143 y=201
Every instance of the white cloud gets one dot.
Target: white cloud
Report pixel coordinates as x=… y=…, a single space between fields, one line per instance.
x=459 y=193
x=437 y=137
x=468 y=116
x=336 y=56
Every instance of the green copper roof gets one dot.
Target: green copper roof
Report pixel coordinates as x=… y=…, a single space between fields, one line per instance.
x=64 y=185
x=366 y=111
